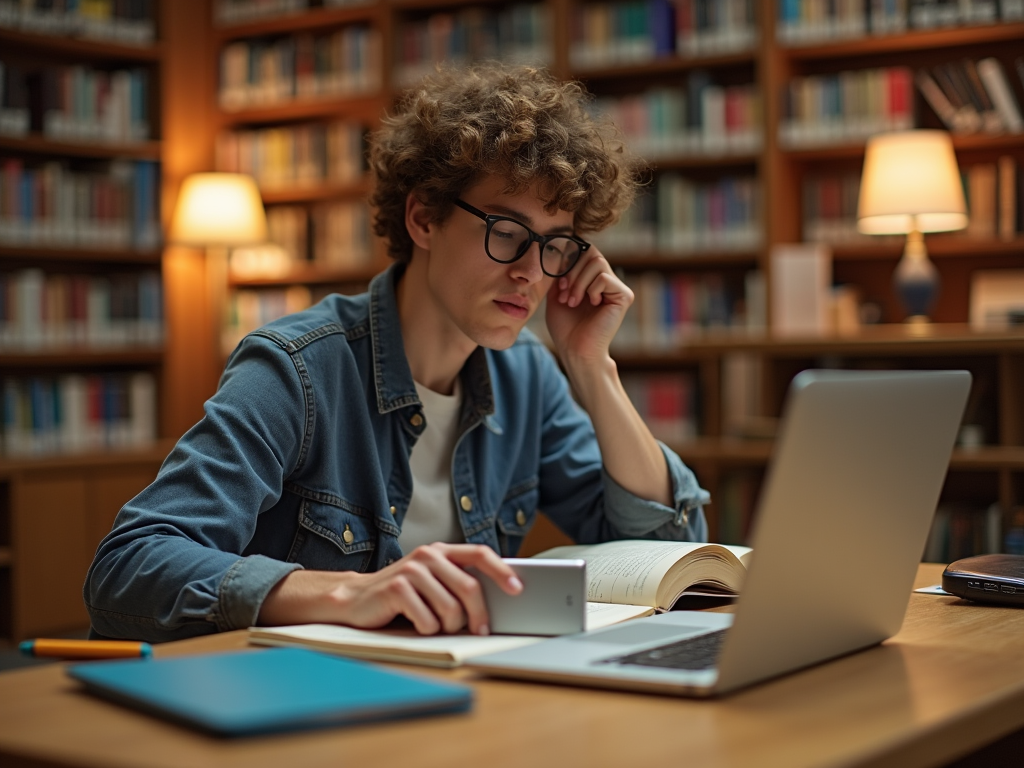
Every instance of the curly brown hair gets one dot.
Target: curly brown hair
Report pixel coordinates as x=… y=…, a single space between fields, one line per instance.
x=519 y=123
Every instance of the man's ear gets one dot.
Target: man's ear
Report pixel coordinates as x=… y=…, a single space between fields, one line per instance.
x=418 y=221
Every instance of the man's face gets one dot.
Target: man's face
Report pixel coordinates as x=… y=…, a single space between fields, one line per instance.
x=487 y=301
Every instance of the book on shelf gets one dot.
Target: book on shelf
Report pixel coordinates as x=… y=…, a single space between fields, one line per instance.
x=226 y=12
x=517 y=33
x=670 y=310
x=699 y=120
x=802 y=22
x=78 y=412
x=667 y=402
x=846 y=106
x=275 y=71
x=801 y=289
x=961 y=530
x=40 y=311
x=130 y=22
x=49 y=204
x=993 y=76
x=683 y=216
x=76 y=103
x=295 y=156
x=996 y=299
x=972 y=97
x=250 y=309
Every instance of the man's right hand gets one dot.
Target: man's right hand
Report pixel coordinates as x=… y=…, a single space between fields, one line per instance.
x=428 y=586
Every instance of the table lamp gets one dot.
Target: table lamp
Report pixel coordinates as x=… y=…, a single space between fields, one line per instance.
x=217 y=211
x=911 y=185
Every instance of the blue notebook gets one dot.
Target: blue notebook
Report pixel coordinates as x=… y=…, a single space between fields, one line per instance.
x=255 y=692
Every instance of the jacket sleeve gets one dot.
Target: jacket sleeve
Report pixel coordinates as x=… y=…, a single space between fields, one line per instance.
x=583 y=500
x=172 y=567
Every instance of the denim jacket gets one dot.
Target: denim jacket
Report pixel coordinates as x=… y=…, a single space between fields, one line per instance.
x=302 y=461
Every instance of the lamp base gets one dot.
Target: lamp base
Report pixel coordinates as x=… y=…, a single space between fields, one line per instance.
x=916 y=280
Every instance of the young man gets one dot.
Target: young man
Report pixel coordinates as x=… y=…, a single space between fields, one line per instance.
x=358 y=455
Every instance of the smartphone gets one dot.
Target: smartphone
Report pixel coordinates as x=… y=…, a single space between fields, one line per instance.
x=553 y=600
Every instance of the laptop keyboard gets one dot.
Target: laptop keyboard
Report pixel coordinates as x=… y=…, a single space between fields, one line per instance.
x=699 y=652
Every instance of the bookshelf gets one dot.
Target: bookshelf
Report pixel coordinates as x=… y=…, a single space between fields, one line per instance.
x=731 y=74
x=91 y=314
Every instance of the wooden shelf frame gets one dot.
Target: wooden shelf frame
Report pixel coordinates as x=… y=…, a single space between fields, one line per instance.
x=305 y=20
x=667 y=65
x=81 y=48
x=155 y=452
x=82 y=357
x=311 y=274
x=42 y=145
x=79 y=255
x=914 y=40
x=358 y=106
x=701 y=260
x=973 y=142
x=315 y=192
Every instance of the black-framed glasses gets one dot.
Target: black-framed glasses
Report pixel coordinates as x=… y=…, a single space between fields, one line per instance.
x=507 y=240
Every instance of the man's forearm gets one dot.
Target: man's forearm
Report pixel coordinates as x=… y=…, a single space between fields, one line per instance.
x=630 y=453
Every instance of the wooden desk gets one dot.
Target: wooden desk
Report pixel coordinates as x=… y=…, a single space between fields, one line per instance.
x=950 y=682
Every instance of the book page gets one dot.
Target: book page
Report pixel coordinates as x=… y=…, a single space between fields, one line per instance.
x=600 y=615
x=626 y=571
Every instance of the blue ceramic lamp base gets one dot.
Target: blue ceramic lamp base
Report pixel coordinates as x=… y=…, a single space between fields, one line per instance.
x=916 y=280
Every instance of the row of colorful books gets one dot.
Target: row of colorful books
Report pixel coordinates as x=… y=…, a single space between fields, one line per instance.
x=40 y=310
x=972 y=97
x=812 y=21
x=701 y=119
x=123 y=21
x=239 y=11
x=249 y=309
x=671 y=309
x=667 y=402
x=682 y=216
x=846 y=106
x=518 y=33
x=53 y=205
x=637 y=31
x=74 y=103
x=78 y=412
x=274 y=71
x=314 y=153
x=994 y=193
x=333 y=235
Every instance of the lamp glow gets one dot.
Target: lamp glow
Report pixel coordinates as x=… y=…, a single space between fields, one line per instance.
x=218 y=209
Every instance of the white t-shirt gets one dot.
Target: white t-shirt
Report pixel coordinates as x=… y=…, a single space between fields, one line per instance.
x=432 y=515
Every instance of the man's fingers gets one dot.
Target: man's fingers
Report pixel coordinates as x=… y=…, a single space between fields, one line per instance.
x=425 y=572
x=487 y=561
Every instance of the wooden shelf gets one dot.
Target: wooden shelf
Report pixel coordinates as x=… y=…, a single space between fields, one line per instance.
x=315 y=192
x=702 y=260
x=870 y=45
x=40 y=145
x=311 y=275
x=150 y=454
x=365 y=107
x=82 y=357
x=939 y=246
x=80 y=48
x=739 y=452
x=890 y=339
x=971 y=142
x=85 y=255
x=304 y=20
x=6 y=557
x=662 y=66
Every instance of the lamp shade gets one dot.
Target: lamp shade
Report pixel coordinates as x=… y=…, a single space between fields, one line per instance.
x=910 y=182
x=218 y=209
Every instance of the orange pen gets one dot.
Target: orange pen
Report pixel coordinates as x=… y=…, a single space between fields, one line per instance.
x=86 y=649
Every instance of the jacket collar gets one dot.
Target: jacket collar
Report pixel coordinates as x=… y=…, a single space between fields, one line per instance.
x=392 y=376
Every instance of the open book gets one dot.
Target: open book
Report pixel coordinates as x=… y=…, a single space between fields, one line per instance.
x=655 y=574
x=404 y=645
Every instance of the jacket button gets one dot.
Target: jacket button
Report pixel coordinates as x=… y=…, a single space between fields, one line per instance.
x=520 y=517
x=348 y=536
x=393 y=511
x=416 y=420
x=466 y=503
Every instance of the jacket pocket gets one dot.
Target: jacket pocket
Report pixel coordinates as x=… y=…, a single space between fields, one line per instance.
x=515 y=518
x=333 y=539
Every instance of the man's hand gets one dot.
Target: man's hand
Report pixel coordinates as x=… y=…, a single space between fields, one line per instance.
x=427 y=586
x=585 y=309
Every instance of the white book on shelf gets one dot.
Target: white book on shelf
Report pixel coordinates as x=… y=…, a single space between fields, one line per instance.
x=801 y=285
x=998 y=87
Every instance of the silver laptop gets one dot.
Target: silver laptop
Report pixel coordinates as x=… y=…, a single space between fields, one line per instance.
x=841 y=526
